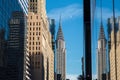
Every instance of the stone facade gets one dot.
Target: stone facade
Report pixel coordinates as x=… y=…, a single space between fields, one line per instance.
x=39 y=43
x=114 y=49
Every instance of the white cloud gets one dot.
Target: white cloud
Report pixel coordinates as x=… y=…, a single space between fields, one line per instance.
x=67 y=12
x=106 y=13
x=72 y=76
x=94 y=76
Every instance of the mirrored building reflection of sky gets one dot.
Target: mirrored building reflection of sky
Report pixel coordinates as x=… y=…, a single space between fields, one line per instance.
x=72 y=24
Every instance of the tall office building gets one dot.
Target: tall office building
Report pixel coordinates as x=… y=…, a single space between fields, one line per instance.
x=7 y=7
x=2 y=54
x=60 y=55
x=114 y=48
x=39 y=42
x=101 y=55
x=2 y=47
x=18 y=62
x=52 y=30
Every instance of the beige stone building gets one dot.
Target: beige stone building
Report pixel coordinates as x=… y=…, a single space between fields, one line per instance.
x=114 y=47
x=39 y=44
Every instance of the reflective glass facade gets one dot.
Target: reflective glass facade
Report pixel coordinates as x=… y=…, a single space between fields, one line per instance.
x=17 y=58
x=2 y=55
x=7 y=7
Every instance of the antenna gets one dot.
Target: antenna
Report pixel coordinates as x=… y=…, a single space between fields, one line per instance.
x=60 y=20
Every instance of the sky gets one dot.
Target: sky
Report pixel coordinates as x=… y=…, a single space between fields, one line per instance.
x=72 y=26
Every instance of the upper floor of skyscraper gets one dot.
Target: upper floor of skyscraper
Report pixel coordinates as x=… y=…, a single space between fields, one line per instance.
x=9 y=6
x=37 y=6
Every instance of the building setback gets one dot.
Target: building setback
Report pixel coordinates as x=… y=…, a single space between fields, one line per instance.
x=39 y=42
x=60 y=55
x=17 y=59
x=101 y=55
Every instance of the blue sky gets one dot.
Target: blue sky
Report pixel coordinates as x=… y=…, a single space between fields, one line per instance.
x=71 y=12
x=72 y=25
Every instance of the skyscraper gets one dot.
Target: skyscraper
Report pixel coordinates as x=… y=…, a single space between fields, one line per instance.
x=17 y=59
x=114 y=47
x=60 y=55
x=52 y=30
x=2 y=47
x=39 y=42
x=2 y=54
x=7 y=7
x=101 y=55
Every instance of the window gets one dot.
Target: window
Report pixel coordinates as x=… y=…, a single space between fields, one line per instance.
x=33 y=48
x=37 y=23
x=29 y=48
x=37 y=28
x=36 y=16
x=38 y=38
x=30 y=23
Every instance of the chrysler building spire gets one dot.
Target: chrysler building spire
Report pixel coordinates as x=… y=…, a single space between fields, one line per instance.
x=60 y=54
x=60 y=33
x=101 y=54
x=101 y=34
